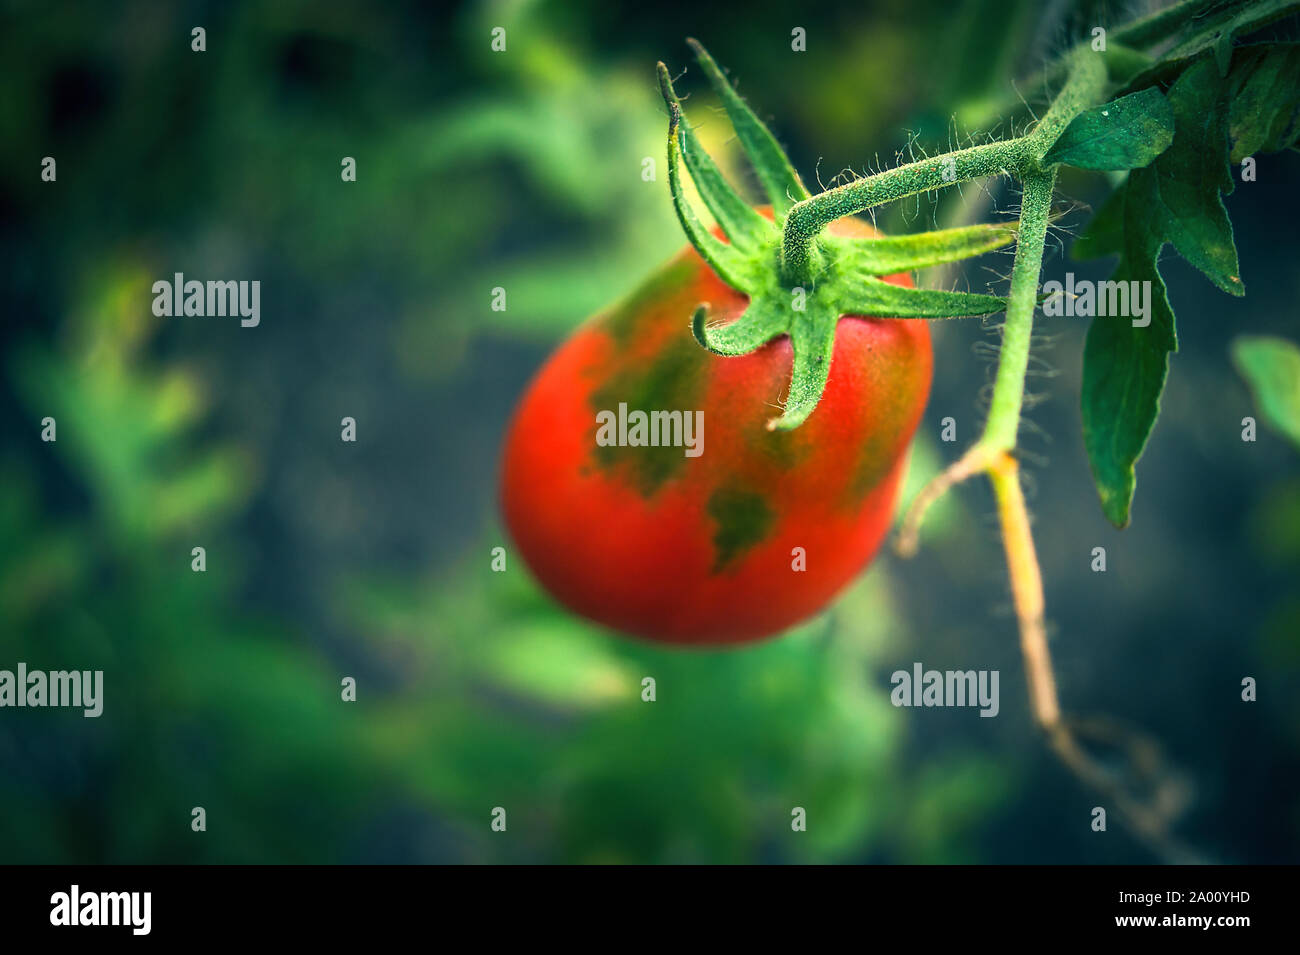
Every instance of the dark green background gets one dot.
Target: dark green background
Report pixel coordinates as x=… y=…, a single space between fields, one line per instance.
x=371 y=560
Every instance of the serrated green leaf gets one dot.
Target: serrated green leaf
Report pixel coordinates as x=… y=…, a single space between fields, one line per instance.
x=1125 y=133
x=1223 y=53
x=1265 y=111
x=1217 y=29
x=1271 y=366
x=1176 y=199
x=1179 y=194
x=1211 y=34
x=1124 y=371
x=1125 y=365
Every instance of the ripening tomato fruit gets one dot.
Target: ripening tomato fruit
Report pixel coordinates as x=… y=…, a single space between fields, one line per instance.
x=760 y=518
x=762 y=528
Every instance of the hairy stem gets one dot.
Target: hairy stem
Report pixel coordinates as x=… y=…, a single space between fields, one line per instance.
x=1009 y=387
x=994 y=453
x=1086 y=82
x=806 y=220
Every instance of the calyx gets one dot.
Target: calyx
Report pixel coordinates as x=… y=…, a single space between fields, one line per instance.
x=844 y=275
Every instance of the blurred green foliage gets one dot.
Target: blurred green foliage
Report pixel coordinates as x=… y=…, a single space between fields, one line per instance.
x=475 y=690
x=501 y=698
x=1271 y=366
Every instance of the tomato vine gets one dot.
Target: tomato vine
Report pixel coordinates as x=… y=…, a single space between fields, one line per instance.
x=1169 y=101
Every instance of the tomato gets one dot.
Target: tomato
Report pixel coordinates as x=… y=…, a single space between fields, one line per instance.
x=759 y=531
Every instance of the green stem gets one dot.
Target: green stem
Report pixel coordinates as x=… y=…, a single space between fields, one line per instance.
x=1009 y=387
x=1087 y=79
x=1083 y=88
x=808 y=218
x=994 y=455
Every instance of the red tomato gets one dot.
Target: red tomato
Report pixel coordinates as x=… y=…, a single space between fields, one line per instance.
x=707 y=549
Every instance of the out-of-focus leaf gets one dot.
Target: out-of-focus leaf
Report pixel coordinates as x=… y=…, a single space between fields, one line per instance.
x=1271 y=366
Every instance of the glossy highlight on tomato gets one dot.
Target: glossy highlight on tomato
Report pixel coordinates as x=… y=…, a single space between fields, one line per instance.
x=708 y=549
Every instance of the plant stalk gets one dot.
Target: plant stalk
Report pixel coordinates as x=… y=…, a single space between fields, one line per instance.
x=807 y=219
x=994 y=453
x=1009 y=386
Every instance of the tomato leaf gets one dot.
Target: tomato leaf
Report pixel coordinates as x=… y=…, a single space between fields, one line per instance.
x=1271 y=366
x=1217 y=29
x=1181 y=191
x=1265 y=112
x=1123 y=134
x=1177 y=200
x=1210 y=33
x=1124 y=371
x=1225 y=107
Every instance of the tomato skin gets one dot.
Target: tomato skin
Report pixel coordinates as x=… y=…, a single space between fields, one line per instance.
x=701 y=550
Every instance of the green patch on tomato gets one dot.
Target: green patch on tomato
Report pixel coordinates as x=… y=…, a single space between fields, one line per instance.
x=674 y=381
x=742 y=519
x=876 y=459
